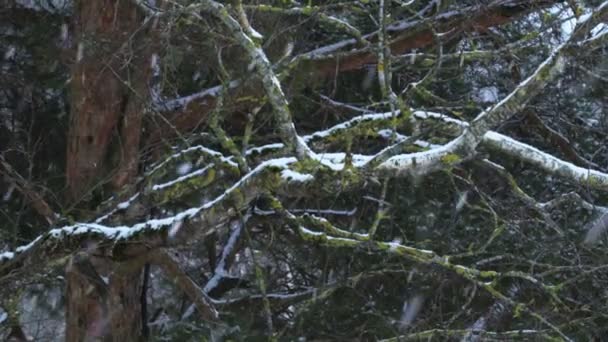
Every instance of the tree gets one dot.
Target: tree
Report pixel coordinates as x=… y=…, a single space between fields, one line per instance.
x=350 y=170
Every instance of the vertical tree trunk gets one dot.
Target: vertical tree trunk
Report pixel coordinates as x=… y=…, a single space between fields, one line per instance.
x=125 y=307
x=109 y=92
x=86 y=308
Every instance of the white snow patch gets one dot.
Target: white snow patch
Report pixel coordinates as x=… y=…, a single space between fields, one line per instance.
x=348 y=124
x=197 y=148
x=175 y=229
x=410 y=311
x=255 y=34
x=420 y=160
x=393 y=246
x=278 y=162
x=9 y=255
x=196 y=76
x=487 y=95
x=220 y=270
x=293 y=176
x=335 y=161
x=462 y=200
x=310 y=232
x=260 y=149
x=10 y=52
x=127 y=203
x=598 y=31
x=426 y=115
x=6 y=256
x=7 y=195
x=183 y=101
x=80 y=52
x=389 y=134
x=120 y=206
x=184 y=168
x=544 y=160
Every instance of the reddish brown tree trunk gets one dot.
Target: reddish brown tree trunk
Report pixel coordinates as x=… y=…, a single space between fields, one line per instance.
x=109 y=92
x=103 y=303
x=86 y=308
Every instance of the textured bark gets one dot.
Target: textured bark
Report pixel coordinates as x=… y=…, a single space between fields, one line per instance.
x=86 y=310
x=130 y=132
x=97 y=310
x=125 y=306
x=109 y=91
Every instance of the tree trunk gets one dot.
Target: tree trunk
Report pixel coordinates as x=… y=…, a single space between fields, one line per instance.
x=86 y=308
x=109 y=93
x=125 y=306
x=104 y=308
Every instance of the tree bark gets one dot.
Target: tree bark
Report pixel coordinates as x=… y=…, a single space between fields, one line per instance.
x=86 y=308
x=125 y=306
x=109 y=94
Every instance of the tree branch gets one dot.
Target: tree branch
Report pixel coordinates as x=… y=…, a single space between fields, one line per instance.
x=185 y=282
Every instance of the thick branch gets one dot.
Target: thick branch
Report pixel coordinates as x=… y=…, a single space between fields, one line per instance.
x=326 y=61
x=121 y=243
x=194 y=292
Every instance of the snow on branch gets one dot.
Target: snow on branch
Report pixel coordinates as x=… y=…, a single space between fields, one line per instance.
x=441 y=156
x=187 y=181
x=198 y=149
x=197 y=173
x=221 y=269
x=274 y=299
x=409 y=27
x=121 y=242
x=272 y=86
x=547 y=71
x=464 y=145
x=546 y=162
x=425 y=162
x=182 y=102
x=407 y=30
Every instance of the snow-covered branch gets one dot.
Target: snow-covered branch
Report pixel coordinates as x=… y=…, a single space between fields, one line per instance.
x=547 y=71
x=186 y=182
x=123 y=242
x=203 y=95
x=546 y=162
x=407 y=27
x=272 y=86
x=230 y=248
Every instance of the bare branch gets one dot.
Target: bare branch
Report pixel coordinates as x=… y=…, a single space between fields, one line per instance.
x=185 y=282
